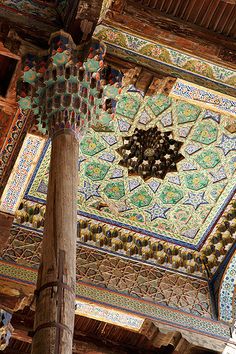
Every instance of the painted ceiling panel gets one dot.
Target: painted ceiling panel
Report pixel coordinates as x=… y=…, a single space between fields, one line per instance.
x=181 y=207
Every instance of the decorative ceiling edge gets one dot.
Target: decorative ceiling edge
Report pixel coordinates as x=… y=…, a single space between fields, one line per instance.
x=205 y=98
x=158 y=53
x=21 y=173
x=227 y=292
x=12 y=145
x=159 y=253
x=139 y=307
x=109 y=315
x=119 y=274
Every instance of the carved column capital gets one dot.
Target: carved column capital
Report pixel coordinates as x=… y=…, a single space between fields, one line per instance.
x=64 y=87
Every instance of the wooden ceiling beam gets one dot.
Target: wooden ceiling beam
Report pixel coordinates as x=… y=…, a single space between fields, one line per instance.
x=176 y=8
x=229 y=16
x=211 y=12
x=219 y=17
x=190 y=9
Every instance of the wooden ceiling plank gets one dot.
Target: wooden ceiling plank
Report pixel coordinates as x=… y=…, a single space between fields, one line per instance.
x=155 y=4
x=184 y=9
x=162 y=4
x=218 y=19
x=198 y=12
x=169 y=6
x=214 y=9
x=190 y=9
x=228 y=18
x=176 y=8
x=231 y=22
x=206 y=13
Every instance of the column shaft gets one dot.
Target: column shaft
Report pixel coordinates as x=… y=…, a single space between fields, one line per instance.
x=55 y=294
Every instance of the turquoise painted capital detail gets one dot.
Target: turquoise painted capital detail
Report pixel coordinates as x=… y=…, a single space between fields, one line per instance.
x=64 y=87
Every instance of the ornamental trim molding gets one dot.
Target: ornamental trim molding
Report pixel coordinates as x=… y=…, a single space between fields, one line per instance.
x=137 y=306
x=187 y=65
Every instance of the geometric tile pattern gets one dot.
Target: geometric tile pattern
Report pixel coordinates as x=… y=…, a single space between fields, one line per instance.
x=144 y=308
x=23 y=247
x=118 y=274
x=106 y=187
x=143 y=281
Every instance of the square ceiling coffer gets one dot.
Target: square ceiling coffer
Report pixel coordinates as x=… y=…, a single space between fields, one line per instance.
x=7 y=69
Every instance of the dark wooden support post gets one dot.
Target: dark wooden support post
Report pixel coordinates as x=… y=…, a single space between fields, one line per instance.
x=55 y=304
x=64 y=90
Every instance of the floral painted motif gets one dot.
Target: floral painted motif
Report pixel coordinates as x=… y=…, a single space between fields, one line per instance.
x=187 y=112
x=199 y=67
x=171 y=195
x=182 y=215
x=205 y=133
x=128 y=106
x=91 y=146
x=134 y=217
x=141 y=198
x=96 y=171
x=159 y=103
x=196 y=181
x=114 y=190
x=208 y=159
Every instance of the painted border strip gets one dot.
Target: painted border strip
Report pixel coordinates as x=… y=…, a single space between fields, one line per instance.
x=21 y=173
x=102 y=313
x=203 y=97
x=162 y=54
x=122 y=302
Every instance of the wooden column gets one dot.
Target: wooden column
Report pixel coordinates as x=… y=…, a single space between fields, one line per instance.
x=55 y=302
x=64 y=90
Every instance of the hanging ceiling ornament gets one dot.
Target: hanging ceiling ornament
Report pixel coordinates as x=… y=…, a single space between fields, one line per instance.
x=150 y=153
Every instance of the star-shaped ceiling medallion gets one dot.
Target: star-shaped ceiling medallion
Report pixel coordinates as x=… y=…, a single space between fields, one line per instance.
x=89 y=190
x=195 y=199
x=157 y=211
x=150 y=153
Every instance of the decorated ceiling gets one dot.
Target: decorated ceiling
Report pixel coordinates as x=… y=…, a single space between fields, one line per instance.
x=182 y=205
x=156 y=188
x=157 y=179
